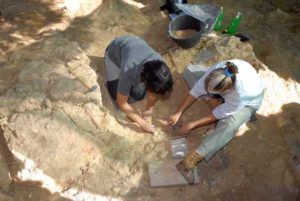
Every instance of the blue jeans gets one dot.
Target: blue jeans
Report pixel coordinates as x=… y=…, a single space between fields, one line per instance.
x=224 y=132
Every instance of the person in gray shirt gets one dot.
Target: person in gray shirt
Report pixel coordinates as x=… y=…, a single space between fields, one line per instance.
x=133 y=69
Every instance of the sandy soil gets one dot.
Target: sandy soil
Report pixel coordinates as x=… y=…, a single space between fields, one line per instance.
x=184 y=33
x=112 y=154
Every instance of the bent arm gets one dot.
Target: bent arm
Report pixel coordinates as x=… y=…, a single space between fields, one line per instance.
x=203 y=121
x=133 y=115
x=151 y=100
x=189 y=99
x=128 y=110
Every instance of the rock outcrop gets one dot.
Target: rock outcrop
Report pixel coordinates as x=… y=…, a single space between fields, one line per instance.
x=61 y=132
x=80 y=8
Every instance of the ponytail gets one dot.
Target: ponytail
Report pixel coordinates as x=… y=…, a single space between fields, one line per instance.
x=221 y=79
x=230 y=71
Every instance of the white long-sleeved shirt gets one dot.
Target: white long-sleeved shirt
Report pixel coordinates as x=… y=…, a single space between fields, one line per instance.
x=247 y=91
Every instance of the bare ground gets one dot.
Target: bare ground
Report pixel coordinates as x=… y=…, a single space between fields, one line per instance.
x=262 y=164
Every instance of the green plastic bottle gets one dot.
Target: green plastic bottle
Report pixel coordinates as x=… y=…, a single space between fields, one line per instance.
x=219 y=22
x=232 y=28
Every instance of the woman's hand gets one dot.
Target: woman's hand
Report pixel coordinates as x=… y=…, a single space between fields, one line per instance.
x=172 y=120
x=149 y=128
x=189 y=99
x=147 y=115
x=186 y=129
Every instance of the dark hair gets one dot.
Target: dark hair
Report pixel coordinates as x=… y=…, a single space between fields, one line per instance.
x=157 y=77
x=221 y=79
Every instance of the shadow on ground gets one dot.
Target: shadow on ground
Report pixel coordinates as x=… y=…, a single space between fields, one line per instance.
x=22 y=23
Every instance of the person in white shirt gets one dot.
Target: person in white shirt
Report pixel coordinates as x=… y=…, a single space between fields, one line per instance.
x=241 y=90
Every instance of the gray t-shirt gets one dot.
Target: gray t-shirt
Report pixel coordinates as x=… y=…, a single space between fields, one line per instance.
x=130 y=53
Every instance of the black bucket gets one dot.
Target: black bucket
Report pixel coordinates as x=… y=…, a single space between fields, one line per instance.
x=184 y=22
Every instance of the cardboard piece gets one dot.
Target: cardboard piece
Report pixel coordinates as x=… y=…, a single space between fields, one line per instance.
x=164 y=173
